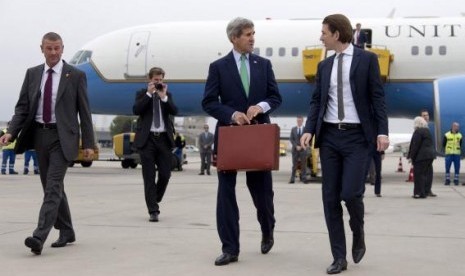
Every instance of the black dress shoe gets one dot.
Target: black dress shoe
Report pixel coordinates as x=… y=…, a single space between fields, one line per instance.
x=63 y=240
x=225 y=259
x=291 y=181
x=201 y=173
x=337 y=266
x=358 y=247
x=153 y=217
x=431 y=194
x=267 y=244
x=34 y=244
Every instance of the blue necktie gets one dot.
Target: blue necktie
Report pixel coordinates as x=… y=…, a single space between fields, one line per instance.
x=244 y=74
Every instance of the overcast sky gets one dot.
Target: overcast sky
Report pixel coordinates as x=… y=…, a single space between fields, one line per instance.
x=23 y=22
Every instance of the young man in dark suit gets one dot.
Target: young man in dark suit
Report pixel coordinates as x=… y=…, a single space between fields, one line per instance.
x=240 y=87
x=155 y=137
x=348 y=119
x=46 y=119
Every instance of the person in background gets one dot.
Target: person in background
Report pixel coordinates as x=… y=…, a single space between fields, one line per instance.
x=347 y=117
x=155 y=137
x=360 y=37
x=180 y=143
x=422 y=154
x=51 y=115
x=375 y=171
x=28 y=155
x=206 y=140
x=298 y=152
x=8 y=156
x=452 y=143
x=429 y=178
x=240 y=87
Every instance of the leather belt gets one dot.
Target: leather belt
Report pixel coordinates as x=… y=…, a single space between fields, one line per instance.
x=46 y=126
x=157 y=134
x=343 y=126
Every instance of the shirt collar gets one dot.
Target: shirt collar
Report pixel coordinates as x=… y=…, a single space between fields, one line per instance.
x=57 y=68
x=349 y=51
x=237 y=55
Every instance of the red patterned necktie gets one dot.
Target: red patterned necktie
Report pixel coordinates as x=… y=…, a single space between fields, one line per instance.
x=47 y=107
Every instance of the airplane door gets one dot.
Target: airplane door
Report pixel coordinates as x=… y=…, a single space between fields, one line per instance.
x=137 y=55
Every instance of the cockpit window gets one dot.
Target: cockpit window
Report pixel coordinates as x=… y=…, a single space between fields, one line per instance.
x=80 y=57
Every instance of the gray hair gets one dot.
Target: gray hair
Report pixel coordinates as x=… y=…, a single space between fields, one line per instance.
x=419 y=122
x=235 y=27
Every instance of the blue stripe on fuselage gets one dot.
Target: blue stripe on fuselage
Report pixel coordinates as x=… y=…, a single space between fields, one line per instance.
x=404 y=99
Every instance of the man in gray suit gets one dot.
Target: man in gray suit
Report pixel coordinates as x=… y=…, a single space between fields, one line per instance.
x=206 y=140
x=298 y=152
x=46 y=119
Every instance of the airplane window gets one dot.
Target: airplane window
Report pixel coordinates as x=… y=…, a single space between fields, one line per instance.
x=282 y=51
x=256 y=51
x=269 y=52
x=415 y=51
x=295 y=51
x=442 y=50
x=75 y=58
x=81 y=57
x=428 y=50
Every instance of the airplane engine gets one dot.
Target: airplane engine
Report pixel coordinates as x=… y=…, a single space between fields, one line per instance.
x=449 y=107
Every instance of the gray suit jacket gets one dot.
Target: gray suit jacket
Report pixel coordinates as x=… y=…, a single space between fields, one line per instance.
x=206 y=141
x=71 y=102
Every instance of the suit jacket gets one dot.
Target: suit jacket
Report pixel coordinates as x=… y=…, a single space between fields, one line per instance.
x=143 y=107
x=71 y=100
x=421 y=146
x=294 y=138
x=367 y=91
x=225 y=94
x=206 y=141
x=362 y=39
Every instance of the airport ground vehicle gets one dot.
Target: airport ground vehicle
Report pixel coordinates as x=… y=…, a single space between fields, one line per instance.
x=80 y=158
x=126 y=152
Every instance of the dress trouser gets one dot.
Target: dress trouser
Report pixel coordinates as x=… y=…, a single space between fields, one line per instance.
x=344 y=156
x=157 y=151
x=302 y=156
x=227 y=212
x=205 y=160
x=53 y=166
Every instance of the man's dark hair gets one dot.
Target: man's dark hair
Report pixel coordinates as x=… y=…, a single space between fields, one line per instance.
x=341 y=24
x=155 y=71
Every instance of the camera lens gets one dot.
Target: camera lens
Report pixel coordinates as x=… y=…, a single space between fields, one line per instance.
x=158 y=86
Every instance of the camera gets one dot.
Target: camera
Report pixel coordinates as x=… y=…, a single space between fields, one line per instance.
x=159 y=86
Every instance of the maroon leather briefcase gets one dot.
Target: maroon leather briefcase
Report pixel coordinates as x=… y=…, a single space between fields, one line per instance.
x=248 y=148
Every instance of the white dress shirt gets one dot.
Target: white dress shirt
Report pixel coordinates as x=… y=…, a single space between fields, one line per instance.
x=56 y=76
x=350 y=111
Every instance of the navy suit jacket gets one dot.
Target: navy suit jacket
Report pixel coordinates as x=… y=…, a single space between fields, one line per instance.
x=224 y=93
x=362 y=39
x=367 y=91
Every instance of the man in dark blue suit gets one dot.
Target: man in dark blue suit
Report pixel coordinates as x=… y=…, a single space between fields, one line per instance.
x=360 y=37
x=348 y=119
x=240 y=87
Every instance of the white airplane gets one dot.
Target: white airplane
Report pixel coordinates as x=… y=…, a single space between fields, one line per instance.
x=425 y=67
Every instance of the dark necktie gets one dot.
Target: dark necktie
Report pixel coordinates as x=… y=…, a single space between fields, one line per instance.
x=156 y=111
x=298 y=132
x=47 y=104
x=340 y=101
x=244 y=74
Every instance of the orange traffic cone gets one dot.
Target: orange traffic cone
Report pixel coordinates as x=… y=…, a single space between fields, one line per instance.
x=399 y=167
x=410 y=175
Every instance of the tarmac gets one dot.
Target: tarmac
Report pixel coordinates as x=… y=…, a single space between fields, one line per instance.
x=404 y=236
